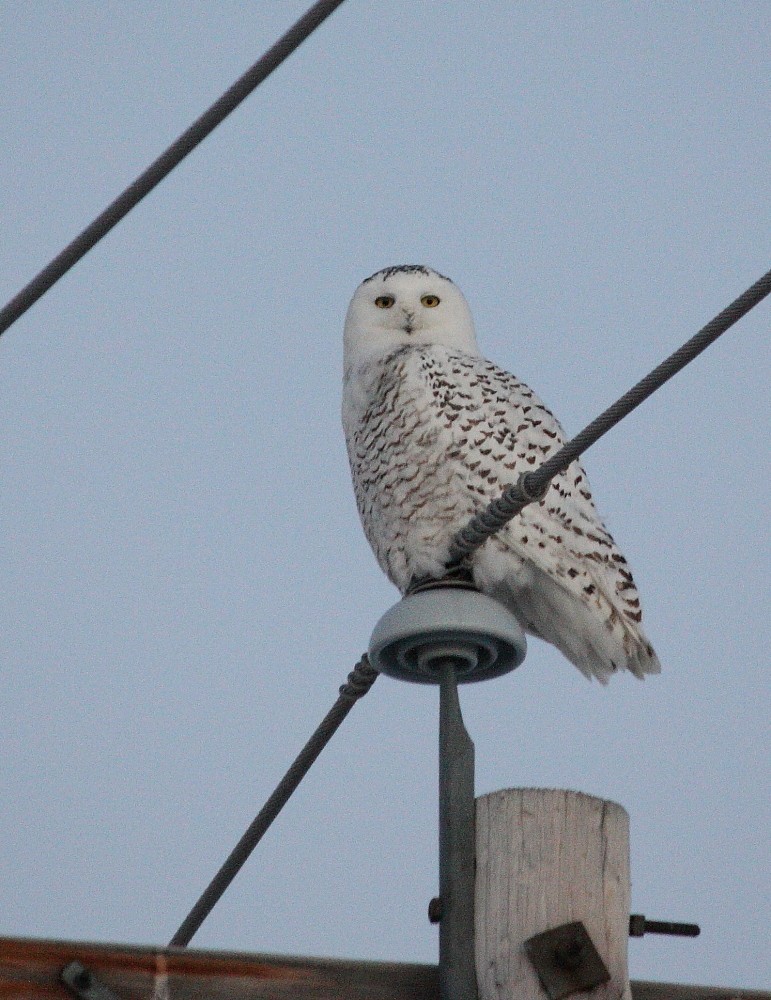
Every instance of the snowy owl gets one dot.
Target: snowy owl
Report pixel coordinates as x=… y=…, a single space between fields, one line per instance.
x=434 y=433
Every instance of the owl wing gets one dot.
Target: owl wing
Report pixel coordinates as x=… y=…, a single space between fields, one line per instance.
x=555 y=564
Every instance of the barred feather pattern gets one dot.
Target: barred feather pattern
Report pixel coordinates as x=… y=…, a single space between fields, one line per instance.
x=442 y=434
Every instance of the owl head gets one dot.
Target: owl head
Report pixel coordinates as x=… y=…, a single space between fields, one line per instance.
x=406 y=305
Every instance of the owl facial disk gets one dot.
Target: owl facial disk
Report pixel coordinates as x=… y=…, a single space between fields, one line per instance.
x=407 y=310
x=406 y=305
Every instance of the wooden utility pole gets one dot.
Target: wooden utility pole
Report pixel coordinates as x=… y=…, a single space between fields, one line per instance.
x=545 y=859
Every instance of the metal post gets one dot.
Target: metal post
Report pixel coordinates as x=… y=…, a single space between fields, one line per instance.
x=457 y=972
x=449 y=634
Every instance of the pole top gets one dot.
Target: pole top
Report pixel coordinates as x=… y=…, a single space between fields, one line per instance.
x=416 y=635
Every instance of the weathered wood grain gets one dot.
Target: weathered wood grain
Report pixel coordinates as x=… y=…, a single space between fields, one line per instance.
x=548 y=857
x=30 y=969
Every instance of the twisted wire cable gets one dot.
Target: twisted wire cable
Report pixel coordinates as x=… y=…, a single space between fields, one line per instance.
x=359 y=681
x=166 y=162
x=532 y=486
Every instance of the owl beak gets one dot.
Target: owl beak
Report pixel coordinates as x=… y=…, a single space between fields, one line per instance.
x=408 y=322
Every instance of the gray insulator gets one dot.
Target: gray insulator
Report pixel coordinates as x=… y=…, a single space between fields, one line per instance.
x=414 y=638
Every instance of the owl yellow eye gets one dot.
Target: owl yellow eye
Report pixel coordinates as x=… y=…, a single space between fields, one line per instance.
x=384 y=301
x=430 y=301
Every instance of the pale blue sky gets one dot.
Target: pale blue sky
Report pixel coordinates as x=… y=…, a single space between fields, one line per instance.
x=185 y=580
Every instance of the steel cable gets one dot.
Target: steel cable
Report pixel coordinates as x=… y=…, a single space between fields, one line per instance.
x=359 y=681
x=532 y=486
x=166 y=162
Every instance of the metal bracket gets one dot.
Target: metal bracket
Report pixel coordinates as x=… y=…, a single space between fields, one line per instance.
x=640 y=925
x=566 y=960
x=451 y=635
x=455 y=909
x=84 y=984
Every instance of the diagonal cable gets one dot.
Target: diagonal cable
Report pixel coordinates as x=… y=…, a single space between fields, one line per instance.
x=360 y=680
x=532 y=486
x=166 y=162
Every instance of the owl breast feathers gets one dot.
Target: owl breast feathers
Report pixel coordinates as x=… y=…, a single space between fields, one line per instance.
x=434 y=433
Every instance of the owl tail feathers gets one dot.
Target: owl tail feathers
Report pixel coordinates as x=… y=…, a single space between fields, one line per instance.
x=598 y=643
x=640 y=659
x=599 y=649
x=643 y=659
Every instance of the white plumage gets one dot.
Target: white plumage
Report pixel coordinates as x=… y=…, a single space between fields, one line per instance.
x=434 y=432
